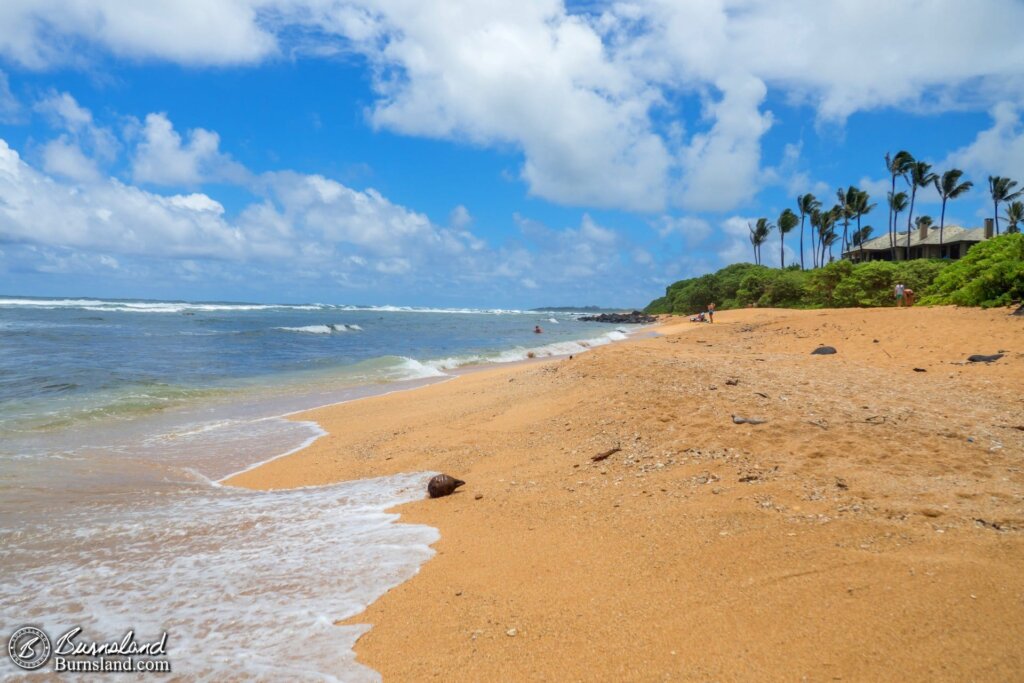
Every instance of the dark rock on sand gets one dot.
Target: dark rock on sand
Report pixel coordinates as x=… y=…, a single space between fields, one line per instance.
x=443 y=485
x=1019 y=311
x=633 y=318
x=823 y=351
x=979 y=358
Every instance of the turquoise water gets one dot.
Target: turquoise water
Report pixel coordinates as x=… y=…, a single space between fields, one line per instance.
x=118 y=419
x=63 y=360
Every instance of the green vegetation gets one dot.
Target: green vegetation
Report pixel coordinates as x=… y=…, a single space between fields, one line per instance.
x=839 y=284
x=990 y=274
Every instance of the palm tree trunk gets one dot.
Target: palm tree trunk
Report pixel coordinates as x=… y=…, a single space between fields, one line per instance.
x=860 y=236
x=802 y=241
x=894 y=238
x=910 y=217
x=892 y=222
x=996 y=211
x=814 y=250
x=782 y=251
x=942 y=224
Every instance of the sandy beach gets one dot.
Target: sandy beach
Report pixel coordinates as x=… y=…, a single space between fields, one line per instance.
x=872 y=528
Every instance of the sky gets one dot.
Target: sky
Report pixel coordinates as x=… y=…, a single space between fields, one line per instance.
x=477 y=153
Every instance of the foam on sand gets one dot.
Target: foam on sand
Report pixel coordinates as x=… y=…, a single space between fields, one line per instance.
x=248 y=584
x=521 y=353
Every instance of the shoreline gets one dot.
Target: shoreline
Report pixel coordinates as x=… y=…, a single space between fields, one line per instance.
x=680 y=556
x=422 y=383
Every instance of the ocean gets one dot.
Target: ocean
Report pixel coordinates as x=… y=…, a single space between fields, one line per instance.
x=118 y=419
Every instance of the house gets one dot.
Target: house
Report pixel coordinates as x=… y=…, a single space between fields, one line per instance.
x=924 y=243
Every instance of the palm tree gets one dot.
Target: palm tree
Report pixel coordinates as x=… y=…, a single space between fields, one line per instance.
x=949 y=187
x=860 y=237
x=920 y=176
x=827 y=241
x=847 y=198
x=897 y=166
x=758 y=236
x=826 y=231
x=806 y=204
x=815 y=230
x=897 y=203
x=787 y=221
x=1001 y=190
x=1014 y=216
x=862 y=206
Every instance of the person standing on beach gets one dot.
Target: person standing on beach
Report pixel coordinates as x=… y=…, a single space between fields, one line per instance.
x=899 y=294
x=711 y=312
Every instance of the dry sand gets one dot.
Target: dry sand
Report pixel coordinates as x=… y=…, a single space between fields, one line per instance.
x=872 y=529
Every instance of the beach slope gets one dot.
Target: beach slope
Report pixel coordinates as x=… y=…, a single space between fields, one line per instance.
x=872 y=528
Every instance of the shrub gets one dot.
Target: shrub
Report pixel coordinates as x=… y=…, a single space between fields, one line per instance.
x=990 y=274
x=785 y=289
x=919 y=274
x=821 y=283
x=868 y=284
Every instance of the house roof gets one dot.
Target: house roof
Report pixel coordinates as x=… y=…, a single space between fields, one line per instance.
x=952 y=233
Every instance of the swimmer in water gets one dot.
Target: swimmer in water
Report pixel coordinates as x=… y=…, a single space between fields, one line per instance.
x=536 y=329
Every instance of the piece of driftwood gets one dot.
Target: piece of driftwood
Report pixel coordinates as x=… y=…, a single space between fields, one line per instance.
x=747 y=420
x=606 y=454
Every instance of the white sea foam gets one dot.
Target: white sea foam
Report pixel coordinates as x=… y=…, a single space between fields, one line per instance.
x=520 y=353
x=308 y=329
x=417 y=309
x=410 y=368
x=322 y=329
x=552 y=320
x=100 y=305
x=247 y=584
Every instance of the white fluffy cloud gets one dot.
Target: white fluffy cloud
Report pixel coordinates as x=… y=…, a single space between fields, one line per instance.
x=81 y=135
x=162 y=158
x=300 y=228
x=998 y=150
x=583 y=95
x=40 y=33
x=107 y=216
x=63 y=157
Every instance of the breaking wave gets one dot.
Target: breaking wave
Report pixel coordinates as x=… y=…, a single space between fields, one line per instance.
x=322 y=329
x=151 y=306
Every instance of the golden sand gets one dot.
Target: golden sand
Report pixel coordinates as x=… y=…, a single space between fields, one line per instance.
x=871 y=529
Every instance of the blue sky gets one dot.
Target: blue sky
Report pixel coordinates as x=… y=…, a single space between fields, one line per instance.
x=469 y=153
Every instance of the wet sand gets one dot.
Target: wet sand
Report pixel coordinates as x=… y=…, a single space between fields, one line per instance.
x=871 y=529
